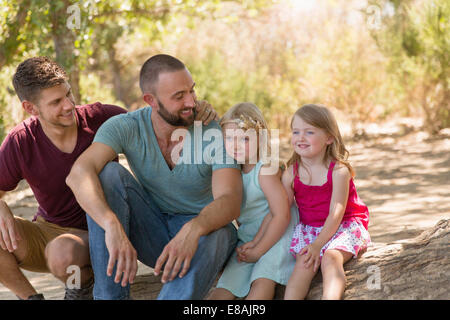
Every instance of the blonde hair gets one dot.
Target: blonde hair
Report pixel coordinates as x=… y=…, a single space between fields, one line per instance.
x=247 y=115
x=321 y=117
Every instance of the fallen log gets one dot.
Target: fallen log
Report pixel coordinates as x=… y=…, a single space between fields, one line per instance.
x=417 y=268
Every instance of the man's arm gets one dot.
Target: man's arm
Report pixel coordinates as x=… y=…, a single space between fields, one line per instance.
x=85 y=184
x=227 y=193
x=2 y=193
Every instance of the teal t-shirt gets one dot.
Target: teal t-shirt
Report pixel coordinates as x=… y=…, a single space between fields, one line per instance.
x=186 y=189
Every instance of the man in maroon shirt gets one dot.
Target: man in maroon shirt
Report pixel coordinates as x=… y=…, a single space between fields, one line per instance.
x=42 y=150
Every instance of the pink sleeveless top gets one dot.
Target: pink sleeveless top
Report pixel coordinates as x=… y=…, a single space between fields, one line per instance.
x=314 y=201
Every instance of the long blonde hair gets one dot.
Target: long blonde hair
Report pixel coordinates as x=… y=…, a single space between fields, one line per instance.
x=248 y=116
x=321 y=117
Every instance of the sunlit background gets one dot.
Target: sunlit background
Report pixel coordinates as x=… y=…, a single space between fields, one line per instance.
x=370 y=61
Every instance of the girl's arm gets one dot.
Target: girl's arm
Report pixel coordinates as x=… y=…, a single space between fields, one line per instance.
x=280 y=217
x=262 y=228
x=287 y=179
x=339 y=198
x=241 y=250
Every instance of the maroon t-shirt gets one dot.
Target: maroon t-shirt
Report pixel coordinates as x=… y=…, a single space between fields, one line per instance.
x=27 y=153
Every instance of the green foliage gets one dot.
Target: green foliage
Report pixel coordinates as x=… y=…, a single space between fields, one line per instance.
x=261 y=51
x=264 y=62
x=2 y=128
x=37 y=27
x=94 y=89
x=416 y=41
x=8 y=102
x=224 y=85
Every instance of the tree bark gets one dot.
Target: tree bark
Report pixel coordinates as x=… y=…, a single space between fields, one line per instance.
x=417 y=268
x=119 y=91
x=63 y=39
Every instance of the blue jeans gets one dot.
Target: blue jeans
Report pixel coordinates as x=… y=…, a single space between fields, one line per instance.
x=149 y=231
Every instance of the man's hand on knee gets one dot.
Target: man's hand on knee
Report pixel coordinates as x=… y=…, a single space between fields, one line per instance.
x=178 y=252
x=121 y=251
x=9 y=234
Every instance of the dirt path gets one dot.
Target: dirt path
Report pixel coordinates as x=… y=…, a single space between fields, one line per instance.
x=404 y=180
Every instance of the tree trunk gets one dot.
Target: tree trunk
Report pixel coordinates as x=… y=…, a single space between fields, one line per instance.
x=417 y=268
x=119 y=91
x=63 y=39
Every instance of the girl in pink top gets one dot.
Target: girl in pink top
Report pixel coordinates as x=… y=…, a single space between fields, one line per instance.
x=333 y=220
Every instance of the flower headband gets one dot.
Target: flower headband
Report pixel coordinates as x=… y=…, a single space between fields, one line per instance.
x=246 y=122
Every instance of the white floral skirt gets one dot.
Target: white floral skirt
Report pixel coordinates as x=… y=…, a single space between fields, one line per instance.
x=351 y=236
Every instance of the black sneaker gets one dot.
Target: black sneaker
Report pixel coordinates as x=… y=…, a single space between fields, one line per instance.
x=37 y=296
x=84 y=293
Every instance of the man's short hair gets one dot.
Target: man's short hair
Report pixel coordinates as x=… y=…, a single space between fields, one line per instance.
x=36 y=74
x=154 y=66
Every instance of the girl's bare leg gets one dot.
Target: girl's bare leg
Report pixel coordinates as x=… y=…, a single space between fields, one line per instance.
x=300 y=280
x=262 y=289
x=333 y=274
x=221 y=294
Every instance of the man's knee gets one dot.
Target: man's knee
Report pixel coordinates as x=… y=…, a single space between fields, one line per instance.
x=63 y=252
x=225 y=235
x=111 y=173
x=115 y=179
x=222 y=241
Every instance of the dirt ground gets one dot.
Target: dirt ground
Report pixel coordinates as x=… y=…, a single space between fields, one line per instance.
x=403 y=176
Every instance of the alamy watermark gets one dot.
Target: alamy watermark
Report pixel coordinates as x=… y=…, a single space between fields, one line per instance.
x=74 y=280
x=193 y=151
x=373 y=14
x=74 y=19
x=374 y=280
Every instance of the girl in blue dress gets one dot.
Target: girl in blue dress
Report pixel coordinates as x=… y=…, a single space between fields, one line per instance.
x=266 y=223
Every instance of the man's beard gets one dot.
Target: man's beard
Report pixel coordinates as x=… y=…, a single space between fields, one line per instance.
x=175 y=120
